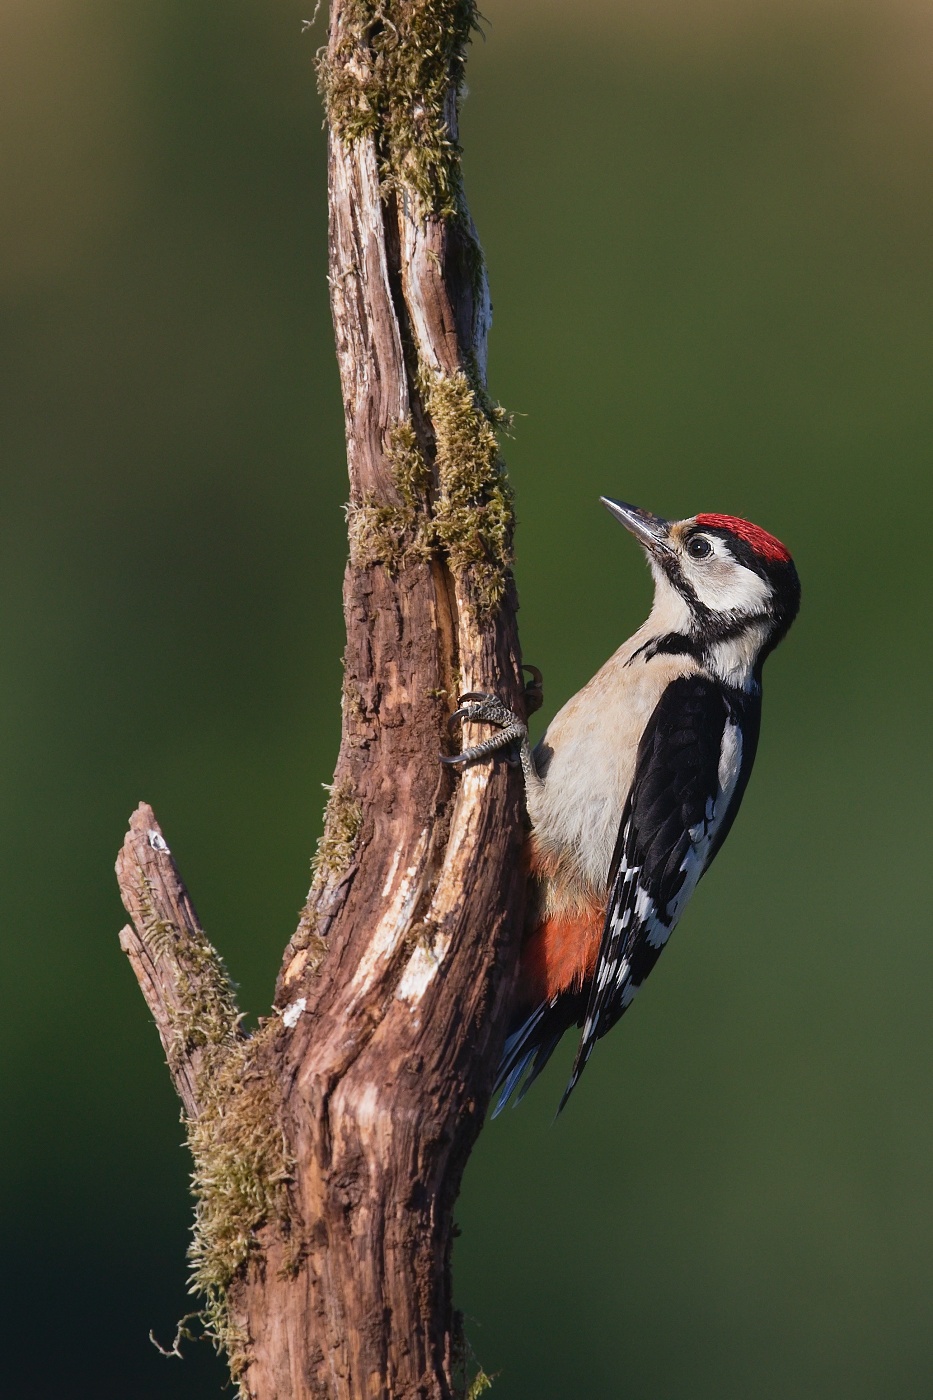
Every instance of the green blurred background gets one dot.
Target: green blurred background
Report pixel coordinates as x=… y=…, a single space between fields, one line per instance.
x=709 y=227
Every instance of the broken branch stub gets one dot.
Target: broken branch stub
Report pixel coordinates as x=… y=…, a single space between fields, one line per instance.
x=182 y=977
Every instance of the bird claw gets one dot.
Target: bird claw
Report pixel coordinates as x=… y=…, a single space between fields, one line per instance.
x=471 y=712
x=534 y=690
x=482 y=707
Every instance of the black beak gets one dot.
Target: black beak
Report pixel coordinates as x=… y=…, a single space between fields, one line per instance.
x=650 y=530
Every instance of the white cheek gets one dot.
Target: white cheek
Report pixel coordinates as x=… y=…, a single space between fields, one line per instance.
x=730 y=587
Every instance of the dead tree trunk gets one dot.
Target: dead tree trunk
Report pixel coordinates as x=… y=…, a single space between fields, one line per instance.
x=329 y=1146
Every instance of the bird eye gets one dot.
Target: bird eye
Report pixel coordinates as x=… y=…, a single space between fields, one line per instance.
x=699 y=548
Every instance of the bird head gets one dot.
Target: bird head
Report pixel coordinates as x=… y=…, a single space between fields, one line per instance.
x=718 y=580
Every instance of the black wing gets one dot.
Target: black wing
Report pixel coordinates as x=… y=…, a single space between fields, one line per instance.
x=692 y=768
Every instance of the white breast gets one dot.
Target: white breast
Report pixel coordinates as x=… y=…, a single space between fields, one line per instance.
x=587 y=759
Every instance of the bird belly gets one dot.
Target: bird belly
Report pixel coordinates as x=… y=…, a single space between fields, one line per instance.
x=587 y=762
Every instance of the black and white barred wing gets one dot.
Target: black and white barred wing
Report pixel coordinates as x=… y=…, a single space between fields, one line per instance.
x=692 y=766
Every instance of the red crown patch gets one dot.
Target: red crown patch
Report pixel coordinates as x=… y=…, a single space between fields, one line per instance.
x=757 y=539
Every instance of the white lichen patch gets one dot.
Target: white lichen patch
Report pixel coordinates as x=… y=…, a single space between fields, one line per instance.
x=462 y=845
x=291 y=1014
x=393 y=871
x=395 y=922
x=421 y=970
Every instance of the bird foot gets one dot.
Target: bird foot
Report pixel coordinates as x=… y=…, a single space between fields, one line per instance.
x=482 y=707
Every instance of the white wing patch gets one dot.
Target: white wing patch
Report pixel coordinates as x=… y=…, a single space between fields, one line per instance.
x=638 y=926
x=641 y=910
x=730 y=763
x=657 y=931
x=703 y=834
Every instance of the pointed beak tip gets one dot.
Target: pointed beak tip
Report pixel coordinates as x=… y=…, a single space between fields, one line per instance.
x=650 y=530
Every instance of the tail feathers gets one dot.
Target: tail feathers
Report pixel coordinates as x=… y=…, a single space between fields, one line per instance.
x=531 y=1045
x=579 y=1065
x=520 y=1049
x=509 y=1086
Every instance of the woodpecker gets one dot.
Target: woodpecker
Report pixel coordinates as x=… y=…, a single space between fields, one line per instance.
x=637 y=780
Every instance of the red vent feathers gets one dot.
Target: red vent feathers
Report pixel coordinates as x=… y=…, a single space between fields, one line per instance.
x=757 y=539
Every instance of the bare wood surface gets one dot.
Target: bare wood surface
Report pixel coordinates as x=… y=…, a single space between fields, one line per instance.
x=373 y=1078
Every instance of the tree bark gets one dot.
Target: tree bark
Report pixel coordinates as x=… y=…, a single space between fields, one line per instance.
x=330 y=1146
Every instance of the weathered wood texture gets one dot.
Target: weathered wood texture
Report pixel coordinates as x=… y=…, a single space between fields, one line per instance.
x=393 y=993
x=176 y=967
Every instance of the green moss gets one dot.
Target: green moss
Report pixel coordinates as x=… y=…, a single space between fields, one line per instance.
x=381 y=534
x=394 y=534
x=474 y=514
x=471 y=516
x=241 y=1163
x=469 y=1379
x=389 y=72
x=352 y=701
x=240 y=1181
x=205 y=1015
x=410 y=472
x=342 y=822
